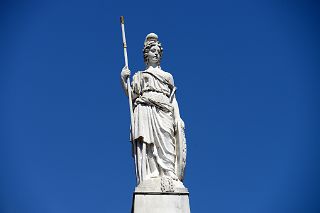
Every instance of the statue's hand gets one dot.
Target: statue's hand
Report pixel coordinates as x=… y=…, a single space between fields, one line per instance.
x=125 y=73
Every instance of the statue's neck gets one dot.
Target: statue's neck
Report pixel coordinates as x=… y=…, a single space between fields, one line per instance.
x=153 y=66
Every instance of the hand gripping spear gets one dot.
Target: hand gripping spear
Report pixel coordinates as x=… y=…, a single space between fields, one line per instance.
x=128 y=88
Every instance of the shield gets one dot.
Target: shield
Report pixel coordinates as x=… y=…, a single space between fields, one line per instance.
x=181 y=150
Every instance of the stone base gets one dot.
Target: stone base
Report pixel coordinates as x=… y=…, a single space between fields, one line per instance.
x=160 y=202
x=161 y=185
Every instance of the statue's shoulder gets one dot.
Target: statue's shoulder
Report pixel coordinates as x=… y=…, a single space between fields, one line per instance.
x=168 y=76
x=167 y=73
x=138 y=73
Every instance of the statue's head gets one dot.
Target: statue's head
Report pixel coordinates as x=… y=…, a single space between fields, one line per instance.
x=152 y=50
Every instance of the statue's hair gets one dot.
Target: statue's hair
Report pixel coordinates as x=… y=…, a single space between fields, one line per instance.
x=147 y=47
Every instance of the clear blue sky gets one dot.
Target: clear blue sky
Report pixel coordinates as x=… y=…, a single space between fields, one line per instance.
x=247 y=74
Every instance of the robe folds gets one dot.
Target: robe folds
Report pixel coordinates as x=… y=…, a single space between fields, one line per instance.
x=154 y=121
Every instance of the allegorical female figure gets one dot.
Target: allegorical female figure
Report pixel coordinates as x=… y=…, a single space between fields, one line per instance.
x=158 y=130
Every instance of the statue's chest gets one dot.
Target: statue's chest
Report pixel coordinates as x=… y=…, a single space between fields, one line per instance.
x=155 y=78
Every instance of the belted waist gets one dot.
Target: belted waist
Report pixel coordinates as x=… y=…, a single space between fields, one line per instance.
x=156 y=96
x=156 y=99
x=157 y=91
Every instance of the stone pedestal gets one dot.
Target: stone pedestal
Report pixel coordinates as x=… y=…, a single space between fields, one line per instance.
x=147 y=202
x=160 y=196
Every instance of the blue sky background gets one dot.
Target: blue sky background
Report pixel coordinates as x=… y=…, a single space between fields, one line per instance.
x=247 y=74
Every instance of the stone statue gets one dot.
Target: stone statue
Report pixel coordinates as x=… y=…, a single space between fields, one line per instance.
x=157 y=134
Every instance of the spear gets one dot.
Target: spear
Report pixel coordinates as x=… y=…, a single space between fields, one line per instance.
x=126 y=65
x=128 y=89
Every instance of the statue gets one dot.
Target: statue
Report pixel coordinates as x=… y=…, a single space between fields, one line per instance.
x=157 y=134
x=157 y=130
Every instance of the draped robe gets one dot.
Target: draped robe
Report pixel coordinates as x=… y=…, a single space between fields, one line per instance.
x=153 y=123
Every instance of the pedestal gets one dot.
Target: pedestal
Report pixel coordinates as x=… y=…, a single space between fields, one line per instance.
x=161 y=195
x=160 y=202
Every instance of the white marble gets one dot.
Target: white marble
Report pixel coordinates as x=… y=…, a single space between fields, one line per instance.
x=161 y=185
x=157 y=134
x=161 y=203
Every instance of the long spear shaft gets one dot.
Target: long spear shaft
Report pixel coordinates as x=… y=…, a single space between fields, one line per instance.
x=129 y=95
x=126 y=64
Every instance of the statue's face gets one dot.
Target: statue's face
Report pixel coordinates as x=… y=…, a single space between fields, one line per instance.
x=154 y=55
